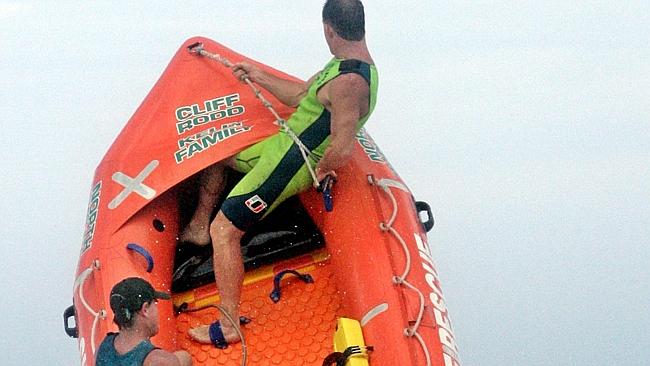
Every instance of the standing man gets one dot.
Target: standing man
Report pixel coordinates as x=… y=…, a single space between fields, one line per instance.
x=134 y=303
x=331 y=108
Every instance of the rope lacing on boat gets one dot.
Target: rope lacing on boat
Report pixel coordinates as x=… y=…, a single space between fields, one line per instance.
x=304 y=151
x=411 y=331
x=78 y=285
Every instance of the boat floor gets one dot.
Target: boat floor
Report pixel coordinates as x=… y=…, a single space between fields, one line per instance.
x=298 y=330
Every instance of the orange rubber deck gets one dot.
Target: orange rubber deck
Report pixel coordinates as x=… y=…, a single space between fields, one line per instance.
x=298 y=330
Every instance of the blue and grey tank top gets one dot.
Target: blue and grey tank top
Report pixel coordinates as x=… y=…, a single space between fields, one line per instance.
x=108 y=356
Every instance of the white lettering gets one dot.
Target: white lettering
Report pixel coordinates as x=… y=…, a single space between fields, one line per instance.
x=448 y=339
x=91 y=217
x=445 y=332
x=442 y=319
x=449 y=360
x=190 y=116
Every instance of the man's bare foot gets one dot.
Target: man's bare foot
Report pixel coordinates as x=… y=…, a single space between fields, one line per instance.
x=195 y=234
x=201 y=334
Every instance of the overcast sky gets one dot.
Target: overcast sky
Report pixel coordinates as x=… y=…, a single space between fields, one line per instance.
x=525 y=124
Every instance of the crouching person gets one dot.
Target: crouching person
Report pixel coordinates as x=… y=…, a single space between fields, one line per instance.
x=134 y=302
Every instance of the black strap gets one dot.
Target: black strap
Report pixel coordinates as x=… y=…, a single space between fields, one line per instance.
x=333 y=358
x=340 y=358
x=356 y=67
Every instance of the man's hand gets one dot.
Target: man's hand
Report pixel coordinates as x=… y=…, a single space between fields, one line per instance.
x=289 y=92
x=321 y=175
x=324 y=186
x=243 y=70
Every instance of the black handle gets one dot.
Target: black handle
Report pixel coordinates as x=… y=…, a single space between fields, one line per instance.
x=195 y=47
x=70 y=331
x=422 y=206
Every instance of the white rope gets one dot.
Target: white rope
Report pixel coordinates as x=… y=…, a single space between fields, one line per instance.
x=407 y=266
x=424 y=347
x=385 y=183
x=239 y=332
x=101 y=314
x=411 y=331
x=78 y=285
x=235 y=325
x=304 y=151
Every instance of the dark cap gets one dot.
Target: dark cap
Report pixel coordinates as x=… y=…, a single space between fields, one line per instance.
x=128 y=296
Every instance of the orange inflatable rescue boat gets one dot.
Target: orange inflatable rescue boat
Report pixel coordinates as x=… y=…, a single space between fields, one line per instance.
x=352 y=286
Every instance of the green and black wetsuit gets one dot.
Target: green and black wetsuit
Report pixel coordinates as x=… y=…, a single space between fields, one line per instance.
x=275 y=168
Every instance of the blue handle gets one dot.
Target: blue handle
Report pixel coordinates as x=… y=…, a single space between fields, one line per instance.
x=143 y=252
x=327 y=199
x=325 y=186
x=277 y=292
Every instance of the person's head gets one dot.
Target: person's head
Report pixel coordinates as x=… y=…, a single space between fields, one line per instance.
x=345 y=19
x=133 y=302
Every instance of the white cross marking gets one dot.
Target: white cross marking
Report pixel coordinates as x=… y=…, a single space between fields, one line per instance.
x=133 y=185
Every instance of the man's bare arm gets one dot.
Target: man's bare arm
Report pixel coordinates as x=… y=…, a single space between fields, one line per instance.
x=347 y=99
x=289 y=92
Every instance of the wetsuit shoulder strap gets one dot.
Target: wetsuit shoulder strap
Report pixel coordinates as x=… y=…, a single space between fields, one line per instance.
x=356 y=67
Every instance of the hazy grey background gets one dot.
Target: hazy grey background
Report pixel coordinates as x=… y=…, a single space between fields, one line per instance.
x=525 y=124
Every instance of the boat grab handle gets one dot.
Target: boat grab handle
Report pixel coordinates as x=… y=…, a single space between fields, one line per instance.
x=327 y=199
x=422 y=206
x=276 y=293
x=67 y=314
x=143 y=252
x=325 y=187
